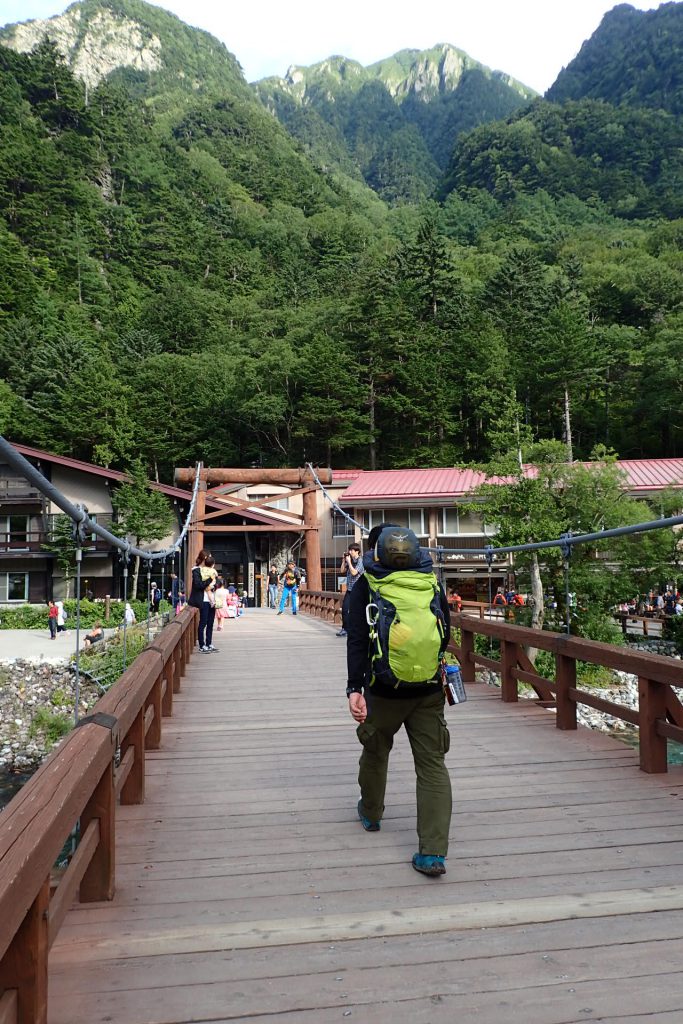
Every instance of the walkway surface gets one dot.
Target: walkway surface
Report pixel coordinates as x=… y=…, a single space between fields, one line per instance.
x=247 y=890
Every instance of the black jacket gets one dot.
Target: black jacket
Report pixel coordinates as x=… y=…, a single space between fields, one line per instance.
x=358 y=639
x=196 y=598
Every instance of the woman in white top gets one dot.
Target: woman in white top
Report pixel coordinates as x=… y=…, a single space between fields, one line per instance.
x=129 y=615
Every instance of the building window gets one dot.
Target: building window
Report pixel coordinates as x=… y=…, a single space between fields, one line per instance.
x=341 y=527
x=411 y=517
x=13 y=586
x=464 y=524
x=273 y=500
x=14 y=532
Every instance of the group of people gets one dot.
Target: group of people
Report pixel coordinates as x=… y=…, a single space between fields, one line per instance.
x=655 y=603
x=508 y=599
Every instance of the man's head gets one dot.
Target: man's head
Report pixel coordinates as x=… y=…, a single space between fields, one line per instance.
x=290 y=563
x=397 y=548
x=354 y=550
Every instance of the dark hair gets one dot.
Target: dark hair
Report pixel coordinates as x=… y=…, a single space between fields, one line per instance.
x=354 y=546
x=209 y=560
x=201 y=557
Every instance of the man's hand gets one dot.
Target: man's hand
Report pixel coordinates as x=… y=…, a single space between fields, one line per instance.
x=358 y=707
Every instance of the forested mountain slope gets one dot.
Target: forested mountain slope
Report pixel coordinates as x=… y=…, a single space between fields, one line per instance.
x=178 y=280
x=635 y=58
x=394 y=122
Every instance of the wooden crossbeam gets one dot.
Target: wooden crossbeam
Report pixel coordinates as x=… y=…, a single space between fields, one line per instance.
x=249 y=528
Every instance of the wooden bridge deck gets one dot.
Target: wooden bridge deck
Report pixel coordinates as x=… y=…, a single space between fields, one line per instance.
x=247 y=889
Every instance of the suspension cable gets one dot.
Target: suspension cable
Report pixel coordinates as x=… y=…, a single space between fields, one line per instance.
x=337 y=508
x=78 y=513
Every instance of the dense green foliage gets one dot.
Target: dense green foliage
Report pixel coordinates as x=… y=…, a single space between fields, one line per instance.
x=178 y=280
x=631 y=160
x=634 y=58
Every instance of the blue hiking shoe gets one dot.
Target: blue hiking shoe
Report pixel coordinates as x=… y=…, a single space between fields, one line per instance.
x=369 y=826
x=429 y=865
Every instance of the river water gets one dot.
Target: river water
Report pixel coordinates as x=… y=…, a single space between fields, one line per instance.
x=11 y=783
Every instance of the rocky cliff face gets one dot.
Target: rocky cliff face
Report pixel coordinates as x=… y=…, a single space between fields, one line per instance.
x=423 y=74
x=94 y=47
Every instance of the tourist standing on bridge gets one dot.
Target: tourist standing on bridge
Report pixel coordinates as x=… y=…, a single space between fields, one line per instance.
x=291 y=577
x=199 y=598
x=393 y=680
x=272 y=587
x=352 y=567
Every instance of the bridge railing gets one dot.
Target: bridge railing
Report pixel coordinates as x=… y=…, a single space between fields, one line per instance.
x=101 y=761
x=658 y=717
x=322 y=604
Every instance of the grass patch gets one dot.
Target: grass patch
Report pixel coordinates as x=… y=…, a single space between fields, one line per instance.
x=51 y=725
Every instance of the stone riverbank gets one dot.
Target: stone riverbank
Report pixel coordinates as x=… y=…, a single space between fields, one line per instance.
x=36 y=710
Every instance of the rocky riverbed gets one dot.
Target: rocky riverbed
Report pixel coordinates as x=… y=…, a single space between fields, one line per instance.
x=624 y=691
x=36 y=710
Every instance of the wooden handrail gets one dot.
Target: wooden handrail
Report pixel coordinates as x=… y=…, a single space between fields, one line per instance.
x=659 y=714
x=78 y=782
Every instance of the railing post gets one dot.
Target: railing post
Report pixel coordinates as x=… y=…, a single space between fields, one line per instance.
x=565 y=677
x=99 y=879
x=509 y=691
x=167 y=699
x=153 y=738
x=467 y=666
x=651 y=707
x=24 y=965
x=176 y=667
x=133 y=791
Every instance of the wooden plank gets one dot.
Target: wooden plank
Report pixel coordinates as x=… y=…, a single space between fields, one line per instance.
x=72 y=877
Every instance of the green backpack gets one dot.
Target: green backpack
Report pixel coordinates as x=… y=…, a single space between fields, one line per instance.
x=407 y=629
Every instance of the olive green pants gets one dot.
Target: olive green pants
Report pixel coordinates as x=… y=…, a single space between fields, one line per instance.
x=427 y=731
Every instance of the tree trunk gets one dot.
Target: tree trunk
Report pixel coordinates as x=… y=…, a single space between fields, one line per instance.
x=136 y=573
x=371 y=425
x=568 y=425
x=537 y=603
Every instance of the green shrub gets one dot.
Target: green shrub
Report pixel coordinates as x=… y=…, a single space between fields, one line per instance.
x=52 y=726
x=673 y=630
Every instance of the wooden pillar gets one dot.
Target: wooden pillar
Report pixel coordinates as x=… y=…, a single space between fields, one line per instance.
x=313 y=570
x=98 y=881
x=467 y=665
x=133 y=791
x=509 y=690
x=153 y=738
x=24 y=966
x=565 y=678
x=651 y=707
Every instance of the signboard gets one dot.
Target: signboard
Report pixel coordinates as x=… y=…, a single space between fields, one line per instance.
x=250 y=580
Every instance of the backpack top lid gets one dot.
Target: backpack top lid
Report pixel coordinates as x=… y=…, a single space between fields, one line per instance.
x=398 y=548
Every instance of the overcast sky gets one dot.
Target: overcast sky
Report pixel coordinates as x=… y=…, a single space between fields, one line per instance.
x=529 y=39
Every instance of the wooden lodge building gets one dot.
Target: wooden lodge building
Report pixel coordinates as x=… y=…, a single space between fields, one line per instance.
x=263 y=524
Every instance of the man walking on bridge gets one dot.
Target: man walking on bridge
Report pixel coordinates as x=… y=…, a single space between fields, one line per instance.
x=398 y=629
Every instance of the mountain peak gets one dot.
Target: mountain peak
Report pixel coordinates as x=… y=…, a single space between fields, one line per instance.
x=101 y=37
